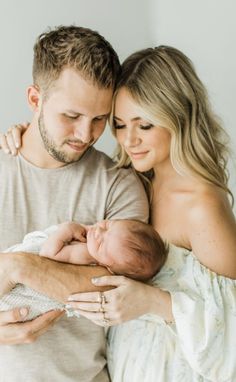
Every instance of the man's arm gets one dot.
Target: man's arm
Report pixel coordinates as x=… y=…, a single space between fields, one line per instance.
x=56 y=280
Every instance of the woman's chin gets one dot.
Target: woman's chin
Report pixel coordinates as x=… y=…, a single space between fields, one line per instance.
x=141 y=167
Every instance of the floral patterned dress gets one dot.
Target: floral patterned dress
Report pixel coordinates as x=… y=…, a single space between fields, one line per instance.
x=200 y=346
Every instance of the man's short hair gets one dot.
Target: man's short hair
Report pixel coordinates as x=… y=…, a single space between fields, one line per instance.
x=74 y=47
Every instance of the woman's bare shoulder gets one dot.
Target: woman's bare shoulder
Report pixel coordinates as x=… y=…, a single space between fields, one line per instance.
x=211 y=229
x=208 y=199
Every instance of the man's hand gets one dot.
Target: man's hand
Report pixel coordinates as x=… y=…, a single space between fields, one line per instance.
x=13 y=332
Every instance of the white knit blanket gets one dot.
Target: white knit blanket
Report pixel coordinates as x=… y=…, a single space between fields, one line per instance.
x=23 y=296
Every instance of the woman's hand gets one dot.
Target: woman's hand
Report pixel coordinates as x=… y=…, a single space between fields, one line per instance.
x=129 y=300
x=11 y=141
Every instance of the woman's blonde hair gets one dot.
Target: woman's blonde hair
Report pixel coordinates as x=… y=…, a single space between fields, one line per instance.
x=163 y=82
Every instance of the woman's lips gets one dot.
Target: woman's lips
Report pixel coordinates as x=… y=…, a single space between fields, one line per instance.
x=138 y=155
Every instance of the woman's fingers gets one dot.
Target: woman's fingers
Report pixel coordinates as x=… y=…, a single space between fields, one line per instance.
x=17 y=132
x=87 y=306
x=4 y=144
x=11 y=141
x=88 y=297
x=125 y=302
x=99 y=318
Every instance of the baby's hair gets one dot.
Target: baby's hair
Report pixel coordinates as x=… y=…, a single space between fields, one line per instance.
x=147 y=245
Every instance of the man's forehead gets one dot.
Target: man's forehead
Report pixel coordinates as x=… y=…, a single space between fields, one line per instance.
x=84 y=99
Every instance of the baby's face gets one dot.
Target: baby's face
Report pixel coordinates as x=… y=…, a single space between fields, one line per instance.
x=104 y=241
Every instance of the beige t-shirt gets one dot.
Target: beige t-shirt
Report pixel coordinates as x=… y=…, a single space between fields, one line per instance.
x=31 y=199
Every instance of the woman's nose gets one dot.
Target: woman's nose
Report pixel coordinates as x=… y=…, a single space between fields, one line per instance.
x=131 y=139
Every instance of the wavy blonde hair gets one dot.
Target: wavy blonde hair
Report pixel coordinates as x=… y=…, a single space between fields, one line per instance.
x=163 y=82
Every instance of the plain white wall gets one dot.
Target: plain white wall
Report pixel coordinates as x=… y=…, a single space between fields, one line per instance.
x=205 y=30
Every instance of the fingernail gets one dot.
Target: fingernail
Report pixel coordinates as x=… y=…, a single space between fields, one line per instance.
x=68 y=306
x=95 y=280
x=17 y=145
x=23 y=312
x=70 y=298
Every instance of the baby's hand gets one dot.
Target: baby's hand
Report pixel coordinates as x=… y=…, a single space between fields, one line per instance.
x=64 y=235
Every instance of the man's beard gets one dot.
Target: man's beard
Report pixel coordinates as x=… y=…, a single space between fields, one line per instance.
x=51 y=147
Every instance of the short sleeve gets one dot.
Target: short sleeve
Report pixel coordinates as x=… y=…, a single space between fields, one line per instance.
x=204 y=308
x=127 y=198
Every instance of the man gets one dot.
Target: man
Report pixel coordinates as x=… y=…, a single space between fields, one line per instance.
x=59 y=176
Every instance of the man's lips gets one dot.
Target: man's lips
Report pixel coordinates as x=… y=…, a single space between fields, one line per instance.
x=77 y=147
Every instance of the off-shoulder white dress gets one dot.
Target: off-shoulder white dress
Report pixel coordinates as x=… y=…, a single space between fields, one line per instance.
x=200 y=346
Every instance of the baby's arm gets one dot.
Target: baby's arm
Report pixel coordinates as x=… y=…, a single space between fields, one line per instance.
x=68 y=244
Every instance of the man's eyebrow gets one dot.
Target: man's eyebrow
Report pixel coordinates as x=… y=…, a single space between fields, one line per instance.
x=133 y=119
x=73 y=112
x=103 y=115
x=69 y=111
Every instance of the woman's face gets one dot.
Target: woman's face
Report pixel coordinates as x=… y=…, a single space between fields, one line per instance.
x=148 y=146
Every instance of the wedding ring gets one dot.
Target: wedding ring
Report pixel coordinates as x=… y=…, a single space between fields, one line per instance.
x=101 y=309
x=103 y=299
x=105 y=320
x=100 y=297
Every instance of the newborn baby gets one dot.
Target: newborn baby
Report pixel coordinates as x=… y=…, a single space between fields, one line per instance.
x=125 y=247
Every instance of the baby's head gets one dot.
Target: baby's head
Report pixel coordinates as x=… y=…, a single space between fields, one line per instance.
x=127 y=247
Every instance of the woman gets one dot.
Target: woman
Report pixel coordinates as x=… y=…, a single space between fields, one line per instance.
x=181 y=328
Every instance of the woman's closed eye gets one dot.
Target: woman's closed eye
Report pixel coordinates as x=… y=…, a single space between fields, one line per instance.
x=117 y=126
x=141 y=126
x=146 y=127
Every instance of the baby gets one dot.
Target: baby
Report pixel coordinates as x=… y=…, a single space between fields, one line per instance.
x=126 y=247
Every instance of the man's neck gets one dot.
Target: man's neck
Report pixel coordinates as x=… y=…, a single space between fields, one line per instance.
x=33 y=149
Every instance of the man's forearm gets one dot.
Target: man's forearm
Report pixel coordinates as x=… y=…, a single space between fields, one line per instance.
x=56 y=280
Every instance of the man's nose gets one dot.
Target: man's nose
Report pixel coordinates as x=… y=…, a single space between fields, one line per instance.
x=83 y=131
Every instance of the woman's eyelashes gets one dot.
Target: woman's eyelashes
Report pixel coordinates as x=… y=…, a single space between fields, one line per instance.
x=146 y=127
x=117 y=126
x=142 y=126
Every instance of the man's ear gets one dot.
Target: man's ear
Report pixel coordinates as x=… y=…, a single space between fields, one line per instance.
x=34 y=97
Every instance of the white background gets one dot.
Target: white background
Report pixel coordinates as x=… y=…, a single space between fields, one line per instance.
x=205 y=30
